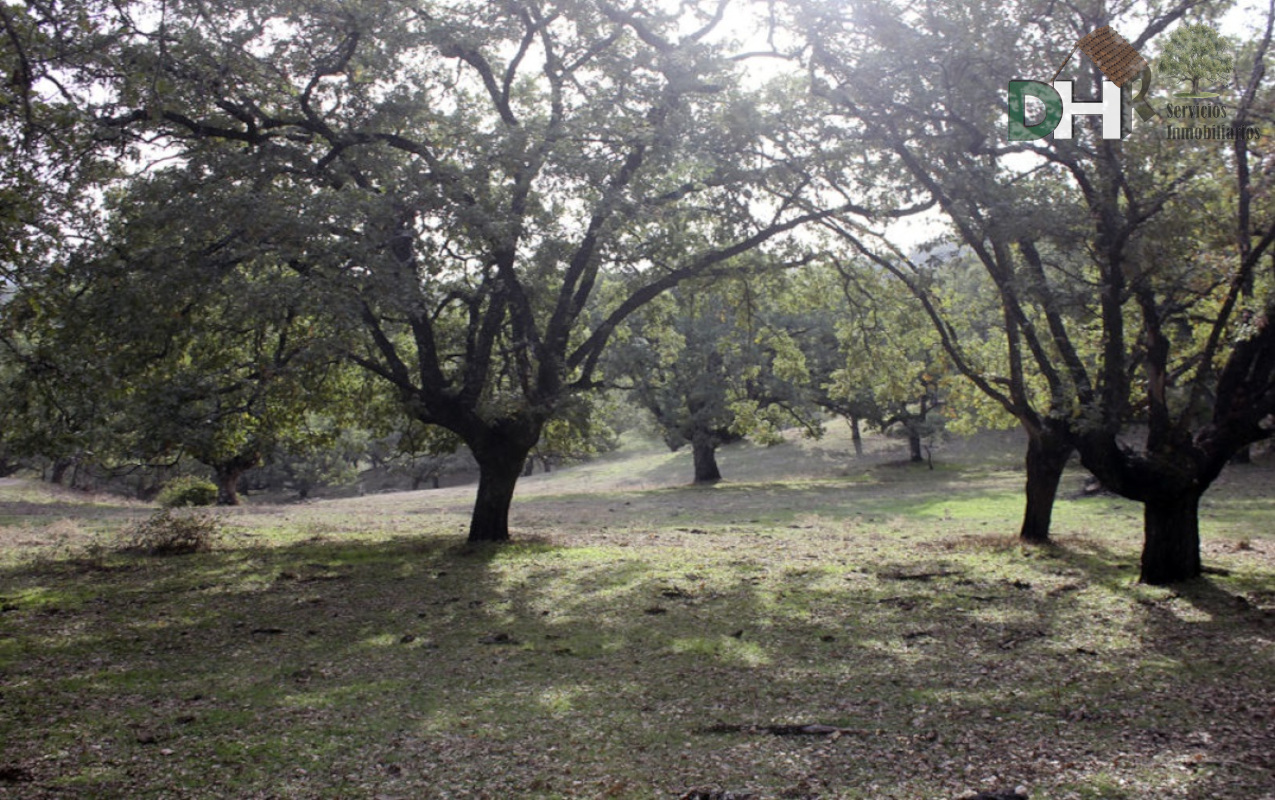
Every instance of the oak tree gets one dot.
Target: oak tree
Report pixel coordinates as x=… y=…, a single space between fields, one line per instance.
x=454 y=179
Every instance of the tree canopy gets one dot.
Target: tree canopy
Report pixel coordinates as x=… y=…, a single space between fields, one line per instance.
x=470 y=202
x=454 y=179
x=1129 y=307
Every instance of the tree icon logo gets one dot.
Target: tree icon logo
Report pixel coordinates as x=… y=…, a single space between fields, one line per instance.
x=1198 y=54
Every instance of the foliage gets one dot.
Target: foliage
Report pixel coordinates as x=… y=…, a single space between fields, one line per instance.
x=171 y=533
x=579 y=431
x=328 y=455
x=713 y=364
x=187 y=490
x=1111 y=308
x=454 y=183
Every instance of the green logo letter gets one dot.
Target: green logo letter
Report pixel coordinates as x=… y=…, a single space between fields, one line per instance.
x=1019 y=130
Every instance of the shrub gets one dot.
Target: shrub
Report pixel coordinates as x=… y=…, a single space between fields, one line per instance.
x=187 y=490
x=168 y=533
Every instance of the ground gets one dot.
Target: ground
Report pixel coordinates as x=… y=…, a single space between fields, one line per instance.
x=643 y=639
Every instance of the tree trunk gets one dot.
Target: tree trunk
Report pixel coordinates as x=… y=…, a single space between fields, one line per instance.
x=498 y=474
x=914 y=447
x=856 y=436
x=704 y=451
x=1171 y=544
x=1046 y=458
x=228 y=484
x=59 y=470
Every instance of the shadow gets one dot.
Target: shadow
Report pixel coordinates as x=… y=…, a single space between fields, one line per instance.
x=426 y=667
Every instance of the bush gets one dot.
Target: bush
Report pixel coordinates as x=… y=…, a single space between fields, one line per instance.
x=168 y=533
x=187 y=490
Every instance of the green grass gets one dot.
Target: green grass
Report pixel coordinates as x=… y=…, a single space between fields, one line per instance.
x=358 y=648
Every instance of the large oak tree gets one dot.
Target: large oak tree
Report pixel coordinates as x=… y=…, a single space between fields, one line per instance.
x=1114 y=290
x=456 y=178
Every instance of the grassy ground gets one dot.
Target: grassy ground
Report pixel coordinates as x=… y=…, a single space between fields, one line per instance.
x=639 y=638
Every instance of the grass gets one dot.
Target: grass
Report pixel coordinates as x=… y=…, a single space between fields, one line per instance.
x=637 y=637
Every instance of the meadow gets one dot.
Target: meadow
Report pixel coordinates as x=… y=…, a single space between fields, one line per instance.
x=816 y=626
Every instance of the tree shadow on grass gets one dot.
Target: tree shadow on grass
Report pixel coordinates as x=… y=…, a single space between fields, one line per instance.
x=423 y=667
x=1206 y=673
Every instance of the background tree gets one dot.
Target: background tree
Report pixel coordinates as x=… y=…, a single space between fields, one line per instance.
x=581 y=430
x=891 y=365
x=710 y=368
x=326 y=451
x=160 y=341
x=51 y=177
x=404 y=447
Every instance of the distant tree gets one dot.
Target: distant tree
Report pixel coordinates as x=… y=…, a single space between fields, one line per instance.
x=51 y=179
x=711 y=369
x=578 y=432
x=324 y=452
x=892 y=366
x=161 y=341
x=404 y=447
x=870 y=353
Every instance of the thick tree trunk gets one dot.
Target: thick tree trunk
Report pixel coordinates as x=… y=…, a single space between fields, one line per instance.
x=1046 y=458
x=914 y=447
x=59 y=470
x=228 y=484
x=704 y=451
x=498 y=475
x=856 y=436
x=1171 y=544
x=1169 y=484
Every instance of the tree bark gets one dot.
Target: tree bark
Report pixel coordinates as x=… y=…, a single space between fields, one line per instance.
x=856 y=436
x=228 y=484
x=914 y=447
x=704 y=451
x=1171 y=543
x=59 y=470
x=1046 y=458
x=497 y=478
